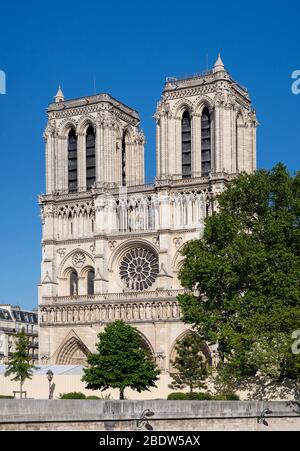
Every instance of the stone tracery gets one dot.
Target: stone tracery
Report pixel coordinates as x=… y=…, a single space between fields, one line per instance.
x=139 y=269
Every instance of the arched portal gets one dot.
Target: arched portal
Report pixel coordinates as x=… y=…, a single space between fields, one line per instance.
x=72 y=352
x=145 y=344
x=204 y=351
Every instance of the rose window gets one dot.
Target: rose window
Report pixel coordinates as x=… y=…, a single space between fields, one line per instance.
x=139 y=269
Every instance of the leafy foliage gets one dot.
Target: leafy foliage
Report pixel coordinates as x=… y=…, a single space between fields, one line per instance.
x=202 y=396
x=246 y=269
x=122 y=361
x=72 y=395
x=80 y=395
x=191 y=367
x=19 y=364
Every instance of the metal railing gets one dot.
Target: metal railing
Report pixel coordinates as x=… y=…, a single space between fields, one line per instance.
x=174 y=80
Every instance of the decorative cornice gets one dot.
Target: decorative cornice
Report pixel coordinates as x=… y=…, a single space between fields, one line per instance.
x=126 y=114
x=69 y=241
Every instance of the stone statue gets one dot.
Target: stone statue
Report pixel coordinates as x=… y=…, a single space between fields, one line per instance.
x=74 y=288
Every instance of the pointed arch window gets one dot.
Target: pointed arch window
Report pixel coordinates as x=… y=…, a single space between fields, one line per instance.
x=123 y=160
x=90 y=282
x=186 y=145
x=206 y=142
x=72 y=161
x=74 y=283
x=90 y=157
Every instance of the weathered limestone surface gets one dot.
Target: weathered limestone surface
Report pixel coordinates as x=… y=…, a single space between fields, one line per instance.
x=123 y=415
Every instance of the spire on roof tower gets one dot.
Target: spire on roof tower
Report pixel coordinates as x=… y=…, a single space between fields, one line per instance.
x=59 y=96
x=219 y=65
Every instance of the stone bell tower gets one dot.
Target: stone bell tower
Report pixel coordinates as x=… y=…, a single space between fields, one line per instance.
x=92 y=141
x=205 y=125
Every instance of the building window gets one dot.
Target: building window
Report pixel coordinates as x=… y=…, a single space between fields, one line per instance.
x=139 y=269
x=72 y=161
x=90 y=282
x=123 y=160
x=90 y=158
x=186 y=145
x=206 y=142
x=73 y=283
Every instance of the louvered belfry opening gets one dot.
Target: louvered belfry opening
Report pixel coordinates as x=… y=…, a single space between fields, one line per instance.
x=123 y=160
x=72 y=161
x=90 y=158
x=186 y=145
x=205 y=142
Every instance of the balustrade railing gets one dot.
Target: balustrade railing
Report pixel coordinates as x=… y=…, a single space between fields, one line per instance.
x=128 y=310
x=116 y=297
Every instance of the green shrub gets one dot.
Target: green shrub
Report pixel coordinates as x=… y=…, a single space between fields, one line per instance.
x=202 y=396
x=92 y=397
x=6 y=397
x=227 y=397
x=72 y=395
x=177 y=396
x=194 y=396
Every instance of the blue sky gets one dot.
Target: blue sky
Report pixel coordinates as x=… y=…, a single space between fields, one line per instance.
x=129 y=48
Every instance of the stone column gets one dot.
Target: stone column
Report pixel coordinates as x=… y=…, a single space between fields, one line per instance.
x=164 y=166
x=108 y=152
x=129 y=162
x=100 y=281
x=164 y=279
x=218 y=138
x=171 y=148
x=226 y=139
x=254 y=147
x=61 y=164
x=49 y=283
x=177 y=149
x=158 y=149
x=141 y=178
x=196 y=145
x=50 y=157
x=99 y=153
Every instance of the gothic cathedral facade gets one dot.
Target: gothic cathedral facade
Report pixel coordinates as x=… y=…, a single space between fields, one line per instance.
x=111 y=244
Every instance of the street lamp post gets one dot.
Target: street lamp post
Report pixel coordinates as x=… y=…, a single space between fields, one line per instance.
x=50 y=378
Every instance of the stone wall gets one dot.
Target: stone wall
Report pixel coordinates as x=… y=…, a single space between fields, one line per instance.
x=167 y=415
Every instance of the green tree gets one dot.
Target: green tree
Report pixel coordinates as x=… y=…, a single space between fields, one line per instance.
x=122 y=361
x=190 y=365
x=19 y=364
x=244 y=274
